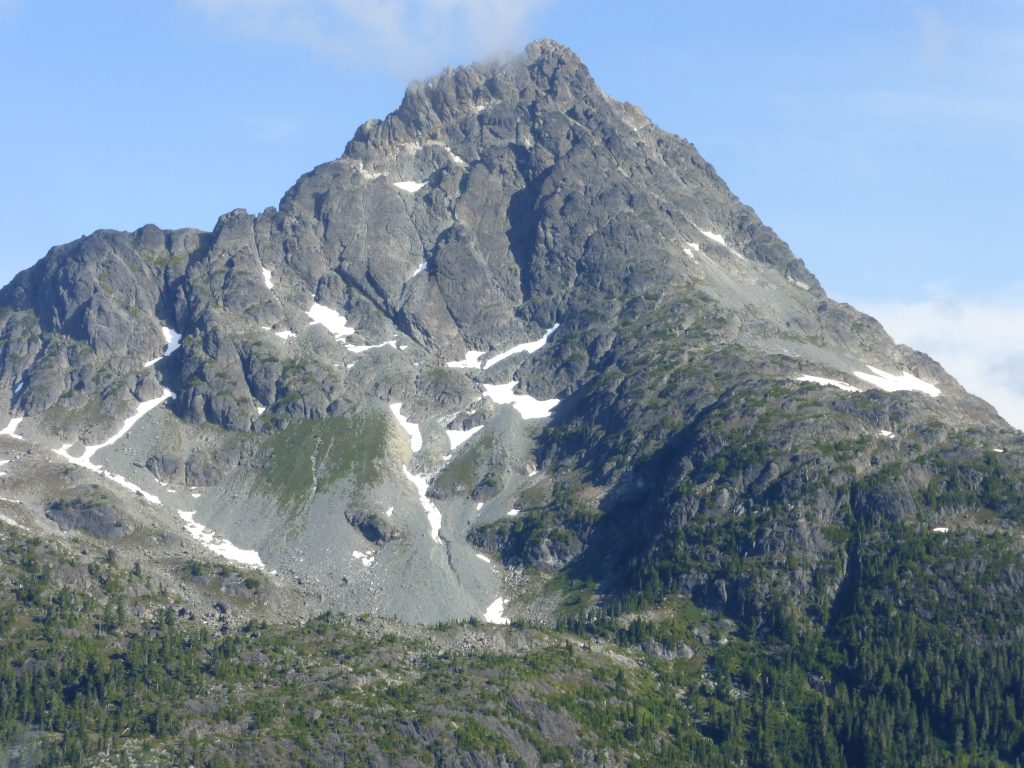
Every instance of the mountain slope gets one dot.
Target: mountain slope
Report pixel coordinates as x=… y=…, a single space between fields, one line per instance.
x=646 y=366
x=517 y=354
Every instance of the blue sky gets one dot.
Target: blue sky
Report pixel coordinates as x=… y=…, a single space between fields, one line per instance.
x=883 y=140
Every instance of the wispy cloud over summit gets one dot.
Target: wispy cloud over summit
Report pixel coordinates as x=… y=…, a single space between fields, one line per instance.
x=979 y=341
x=408 y=37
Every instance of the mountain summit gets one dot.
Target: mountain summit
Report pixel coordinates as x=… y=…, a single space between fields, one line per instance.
x=515 y=330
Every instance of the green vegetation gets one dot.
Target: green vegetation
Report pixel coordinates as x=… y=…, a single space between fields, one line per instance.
x=907 y=673
x=317 y=453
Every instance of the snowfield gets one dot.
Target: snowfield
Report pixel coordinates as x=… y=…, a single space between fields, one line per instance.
x=892 y=382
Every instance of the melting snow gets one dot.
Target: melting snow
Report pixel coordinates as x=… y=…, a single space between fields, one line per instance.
x=366 y=557
x=458 y=436
x=433 y=513
x=528 y=407
x=485 y=558
x=413 y=430
x=410 y=186
x=495 y=612
x=9 y=521
x=172 y=340
x=713 y=236
x=891 y=382
x=458 y=160
x=359 y=350
x=330 y=319
x=267 y=281
x=822 y=381
x=85 y=460
x=218 y=544
x=529 y=347
x=11 y=430
x=472 y=360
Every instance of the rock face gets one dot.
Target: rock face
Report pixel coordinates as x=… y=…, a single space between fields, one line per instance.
x=513 y=312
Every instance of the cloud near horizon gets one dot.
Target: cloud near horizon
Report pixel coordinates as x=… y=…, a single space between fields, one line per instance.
x=409 y=37
x=979 y=341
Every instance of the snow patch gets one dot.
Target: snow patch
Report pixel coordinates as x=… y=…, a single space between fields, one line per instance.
x=822 y=381
x=799 y=283
x=218 y=544
x=433 y=513
x=716 y=238
x=85 y=460
x=284 y=335
x=366 y=557
x=995 y=450
x=261 y=409
x=458 y=436
x=472 y=360
x=390 y=511
x=902 y=382
x=267 y=280
x=886 y=433
x=495 y=612
x=329 y=319
x=529 y=347
x=355 y=348
x=410 y=186
x=485 y=558
x=940 y=530
x=513 y=513
x=528 y=407
x=11 y=430
x=421 y=268
x=479 y=506
x=17 y=389
x=172 y=340
x=713 y=236
x=9 y=521
x=413 y=430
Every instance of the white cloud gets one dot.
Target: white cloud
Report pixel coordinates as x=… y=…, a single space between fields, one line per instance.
x=980 y=341
x=407 y=36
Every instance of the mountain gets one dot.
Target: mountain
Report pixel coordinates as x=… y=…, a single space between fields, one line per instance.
x=520 y=354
